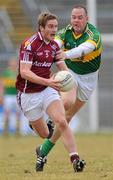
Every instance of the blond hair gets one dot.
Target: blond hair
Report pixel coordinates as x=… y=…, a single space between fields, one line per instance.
x=43 y=18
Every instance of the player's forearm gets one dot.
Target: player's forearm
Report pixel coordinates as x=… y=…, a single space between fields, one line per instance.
x=79 y=51
x=30 y=76
x=61 y=66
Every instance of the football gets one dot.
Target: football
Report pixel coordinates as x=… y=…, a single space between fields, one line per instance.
x=66 y=80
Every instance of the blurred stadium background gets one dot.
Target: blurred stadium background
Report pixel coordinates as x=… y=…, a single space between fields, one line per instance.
x=18 y=20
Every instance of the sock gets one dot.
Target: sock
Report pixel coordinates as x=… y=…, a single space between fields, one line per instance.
x=46 y=147
x=74 y=157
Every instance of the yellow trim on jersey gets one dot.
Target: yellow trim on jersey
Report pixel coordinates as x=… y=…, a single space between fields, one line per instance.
x=93 y=42
x=89 y=57
x=76 y=36
x=98 y=41
x=57 y=38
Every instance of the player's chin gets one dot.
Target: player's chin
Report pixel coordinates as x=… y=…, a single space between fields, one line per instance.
x=76 y=29
x=52 y=36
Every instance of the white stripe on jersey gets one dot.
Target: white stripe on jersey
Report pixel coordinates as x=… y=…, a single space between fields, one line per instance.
x=40 y=35
x=24 y=90
x=30 y=62
x=31 y=39
x=26 y=56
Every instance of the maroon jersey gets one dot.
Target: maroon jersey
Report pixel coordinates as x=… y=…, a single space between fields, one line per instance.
x=41 y=55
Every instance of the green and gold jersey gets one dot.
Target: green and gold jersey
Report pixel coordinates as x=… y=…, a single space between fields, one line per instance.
x=9 y=78
x=87 y=63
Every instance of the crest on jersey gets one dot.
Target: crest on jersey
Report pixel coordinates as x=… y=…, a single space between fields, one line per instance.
x=27 y=45
x=47 y=53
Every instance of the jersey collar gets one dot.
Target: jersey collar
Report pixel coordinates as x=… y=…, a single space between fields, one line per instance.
x=78 y=36
x=41 y=38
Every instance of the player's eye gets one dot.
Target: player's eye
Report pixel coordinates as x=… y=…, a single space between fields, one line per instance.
x=80 y=17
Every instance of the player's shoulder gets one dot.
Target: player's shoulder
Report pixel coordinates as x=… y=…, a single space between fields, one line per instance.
x=54 y=45
x=62 y=33
x=64 y=30
x=93 y=34
x=29 y=42
x=92 y=29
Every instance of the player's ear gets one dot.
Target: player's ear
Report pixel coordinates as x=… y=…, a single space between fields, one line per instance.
x=40 y=27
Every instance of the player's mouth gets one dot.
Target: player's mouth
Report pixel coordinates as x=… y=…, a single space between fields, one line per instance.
x=76 y=25
x=52 y=35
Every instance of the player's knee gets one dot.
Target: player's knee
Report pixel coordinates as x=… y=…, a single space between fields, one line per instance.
x=44 y=134
x=62 y=124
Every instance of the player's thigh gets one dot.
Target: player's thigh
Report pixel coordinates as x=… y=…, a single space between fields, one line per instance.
x=56 y=111
x=69 y=97
x=74 y=109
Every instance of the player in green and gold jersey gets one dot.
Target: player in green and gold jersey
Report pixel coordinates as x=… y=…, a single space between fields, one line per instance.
x=82 y=44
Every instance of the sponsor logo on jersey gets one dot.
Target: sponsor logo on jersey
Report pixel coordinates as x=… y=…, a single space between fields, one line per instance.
x=42 y=64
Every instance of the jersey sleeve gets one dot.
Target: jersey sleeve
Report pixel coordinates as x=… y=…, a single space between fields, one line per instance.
x=95 y=40
x=26 y=53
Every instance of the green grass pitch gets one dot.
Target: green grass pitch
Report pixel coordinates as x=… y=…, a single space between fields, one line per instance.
x=17 y=158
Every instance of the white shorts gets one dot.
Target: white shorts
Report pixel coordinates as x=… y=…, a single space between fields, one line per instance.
x=35 y=104
x=86 y=84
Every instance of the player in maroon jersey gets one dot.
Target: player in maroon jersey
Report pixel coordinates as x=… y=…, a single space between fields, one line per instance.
x=38 y=92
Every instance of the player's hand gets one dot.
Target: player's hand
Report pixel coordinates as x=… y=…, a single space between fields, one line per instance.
x=60 y=55
x=51 y=82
